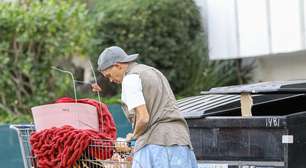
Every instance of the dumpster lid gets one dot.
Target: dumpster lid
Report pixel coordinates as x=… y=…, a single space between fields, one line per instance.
x=197 y=106
x=229 y=105
x=269 y=98
x=294 y=86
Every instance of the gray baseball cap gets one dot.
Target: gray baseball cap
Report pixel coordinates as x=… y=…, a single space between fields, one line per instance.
x=112 y=55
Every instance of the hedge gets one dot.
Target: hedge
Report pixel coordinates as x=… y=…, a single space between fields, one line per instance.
x=34 y=37
x=168 y=35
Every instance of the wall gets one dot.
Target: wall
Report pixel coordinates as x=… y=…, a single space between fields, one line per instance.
x=240 y=29
x=280 y=67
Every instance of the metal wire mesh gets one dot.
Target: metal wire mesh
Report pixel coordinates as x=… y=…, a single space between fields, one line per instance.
x=99 y=154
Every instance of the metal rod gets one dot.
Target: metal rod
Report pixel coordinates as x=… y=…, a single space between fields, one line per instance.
x=99 y=97
x=93 y=72
x=22 y=147
x=73 y=81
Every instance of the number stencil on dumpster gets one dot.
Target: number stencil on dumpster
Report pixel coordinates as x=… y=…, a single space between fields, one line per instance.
x=272 y=122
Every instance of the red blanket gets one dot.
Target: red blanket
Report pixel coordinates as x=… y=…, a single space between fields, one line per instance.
x=62 y=147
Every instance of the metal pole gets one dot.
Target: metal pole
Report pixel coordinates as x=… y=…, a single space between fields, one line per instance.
x=68 y=72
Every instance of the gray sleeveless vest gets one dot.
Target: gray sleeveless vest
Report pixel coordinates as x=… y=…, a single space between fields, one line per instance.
x=166 y=125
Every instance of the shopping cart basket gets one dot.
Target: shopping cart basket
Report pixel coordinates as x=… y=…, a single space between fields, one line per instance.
x=121 y=151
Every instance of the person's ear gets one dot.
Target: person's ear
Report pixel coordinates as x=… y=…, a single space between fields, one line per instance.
x=117 y=65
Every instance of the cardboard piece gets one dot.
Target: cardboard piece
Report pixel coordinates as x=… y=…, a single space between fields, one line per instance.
x=77 y=115
x=246 y=102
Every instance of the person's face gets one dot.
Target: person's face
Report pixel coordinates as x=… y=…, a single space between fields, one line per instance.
x=114 y=73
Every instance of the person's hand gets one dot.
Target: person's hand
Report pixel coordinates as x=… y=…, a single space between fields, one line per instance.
x=129 y=137
x=95 y=87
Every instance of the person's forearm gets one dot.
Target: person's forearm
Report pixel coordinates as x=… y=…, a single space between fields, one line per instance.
x=142 y=120
x=140 y=127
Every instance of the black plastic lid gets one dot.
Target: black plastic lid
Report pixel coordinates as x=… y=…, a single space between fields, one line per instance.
x=294 y=86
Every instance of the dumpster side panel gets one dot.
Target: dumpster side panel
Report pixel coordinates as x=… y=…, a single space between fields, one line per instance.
x=237 y=144
x=232 y=142
x=297 y=149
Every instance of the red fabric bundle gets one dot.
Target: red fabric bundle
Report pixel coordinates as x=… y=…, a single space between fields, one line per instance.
x=62 y=147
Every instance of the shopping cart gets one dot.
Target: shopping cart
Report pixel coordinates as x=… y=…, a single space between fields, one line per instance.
x=121 y=157
x=121 y=150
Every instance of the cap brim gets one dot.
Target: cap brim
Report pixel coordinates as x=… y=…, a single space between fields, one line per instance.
x=130 y=58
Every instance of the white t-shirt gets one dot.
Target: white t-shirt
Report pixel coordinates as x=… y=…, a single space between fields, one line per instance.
x=131 y=93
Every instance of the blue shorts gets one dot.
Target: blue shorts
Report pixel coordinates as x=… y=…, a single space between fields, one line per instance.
x=157 y=156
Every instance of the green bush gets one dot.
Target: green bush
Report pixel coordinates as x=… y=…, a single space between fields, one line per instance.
x=15 y=119
x=33 y=37
x=168 y=35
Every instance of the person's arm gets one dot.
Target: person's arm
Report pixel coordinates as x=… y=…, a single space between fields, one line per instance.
x=133 y=97
x=142 y=119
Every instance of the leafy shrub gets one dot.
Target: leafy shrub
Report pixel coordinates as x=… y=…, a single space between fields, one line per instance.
x=168 y=35
x=33 y=37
